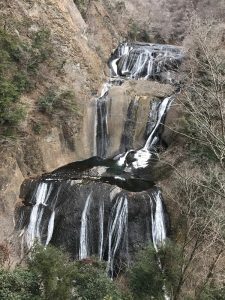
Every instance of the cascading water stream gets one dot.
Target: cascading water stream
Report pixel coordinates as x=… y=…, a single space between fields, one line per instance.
x=50 y=228
x=117 y=230
x=158 y=220
x=101 y=230
x=41 y=196
x=101 y=223
x=142 y=156
x=142 y=60
x=158 y=228
x=51 y=222
x=102 y=122
x=43 y=199
x=135 y=61
x=84 y=250
x=129 y=126
x=152 y=118
x=163 y=108
x=101 y=133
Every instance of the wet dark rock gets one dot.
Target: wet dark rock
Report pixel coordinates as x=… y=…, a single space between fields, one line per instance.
x=150 y=61
x=67 y=198
x=109 y=207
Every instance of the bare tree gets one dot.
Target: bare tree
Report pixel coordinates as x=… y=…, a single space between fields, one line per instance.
x=198 y=228
x=204 y=101
x=197 y=187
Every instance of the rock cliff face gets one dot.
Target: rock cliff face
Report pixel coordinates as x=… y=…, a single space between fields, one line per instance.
x=80 y=52
x=108 y=205
x=89 y=218
x=74 y=65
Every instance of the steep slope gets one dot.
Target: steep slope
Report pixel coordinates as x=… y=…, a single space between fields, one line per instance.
x=55 y=129
x=43 y=141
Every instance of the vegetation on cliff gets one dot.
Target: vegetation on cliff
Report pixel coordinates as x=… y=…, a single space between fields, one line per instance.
x=51 y=274
x=196 y=187
x=19 y=63
x=19 y=69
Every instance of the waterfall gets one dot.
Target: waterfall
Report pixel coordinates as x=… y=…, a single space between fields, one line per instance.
x=101 y=229
x=84 y=250
x=50 y=228
x=158 y=228
x=135 y=61
x=102 y=127
x=142 y=156
x=97 y=223
x=152 y=118
x=163 y=107
x=101 y=122
x=142 y=60
x=157 y=219
x=117 y=230
x=101 y=131
x=51 y=222
x=129 y=126
x=110 y=241
x=41 y=197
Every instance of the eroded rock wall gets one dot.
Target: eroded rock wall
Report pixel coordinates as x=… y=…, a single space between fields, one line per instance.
x=78 y=62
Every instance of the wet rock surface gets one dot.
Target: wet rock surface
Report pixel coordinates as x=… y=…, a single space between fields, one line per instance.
x=88 y=218
x=109 y=206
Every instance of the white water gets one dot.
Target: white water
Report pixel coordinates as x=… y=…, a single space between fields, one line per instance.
x=101 y=121
x=164 y=106
x=133 y=61
x=121 y=158
x=143 y=155
x=114 y=65
x=158 y=228
x=130 y=67
x=144 y=60
x=117 y=229
x=84 y=251
x=158 y=220
x=50 y=228
x=105 y=88
x=33 y=230
x=101 y=229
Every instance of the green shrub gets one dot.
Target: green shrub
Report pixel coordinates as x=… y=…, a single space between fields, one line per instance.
x=93 y=283
x=64 y=279
x=39 y=51
x=13 y=115
x=46 y=102
x=10 y=114
x=171 y=259
x=120 y=6
x=19 y=63
x=37 y=128
x=22 y=82
x=20 y=284
x=145 y=277
x=9 y=90
x=82 y=6
x=51 y=274
x=54 y=101
x=55 y=273
x=211 y=292
x=137 y=33
x=154 y=273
